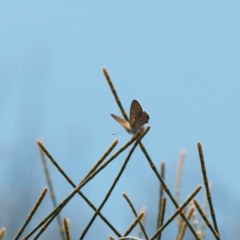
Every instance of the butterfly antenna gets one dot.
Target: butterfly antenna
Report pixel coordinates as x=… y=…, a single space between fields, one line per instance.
x=118 y=132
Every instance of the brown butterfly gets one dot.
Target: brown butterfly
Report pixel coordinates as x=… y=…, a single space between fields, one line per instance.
x=138 y=118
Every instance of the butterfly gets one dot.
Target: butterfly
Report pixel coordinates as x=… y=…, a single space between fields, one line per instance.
x=138 y=118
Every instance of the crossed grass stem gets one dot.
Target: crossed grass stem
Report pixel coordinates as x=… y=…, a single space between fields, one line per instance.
x=44 y=150
x=215 y=233
x=143 y=133
x=47 y=220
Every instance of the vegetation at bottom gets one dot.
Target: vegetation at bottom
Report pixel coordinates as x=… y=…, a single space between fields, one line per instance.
x=186 y=214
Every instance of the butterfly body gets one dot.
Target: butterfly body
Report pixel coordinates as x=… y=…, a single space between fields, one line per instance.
x=138 y=118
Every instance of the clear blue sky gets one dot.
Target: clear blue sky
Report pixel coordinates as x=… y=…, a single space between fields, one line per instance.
x=180 y=59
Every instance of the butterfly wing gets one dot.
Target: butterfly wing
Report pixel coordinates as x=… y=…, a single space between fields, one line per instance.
x=140 y=122
x=135 y=112
x=123 y=122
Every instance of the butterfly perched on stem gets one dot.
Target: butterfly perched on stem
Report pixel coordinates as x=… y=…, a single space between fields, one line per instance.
x=138 y=118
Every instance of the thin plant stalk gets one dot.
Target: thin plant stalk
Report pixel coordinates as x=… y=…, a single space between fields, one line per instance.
x=162 y=172
x=205 y=180
x=2 y=233
x=115 y=93
x=178 y=184
x=49 y=182
x=66 y=227
x=163 y=208
x=140 y=232
x=29 y=217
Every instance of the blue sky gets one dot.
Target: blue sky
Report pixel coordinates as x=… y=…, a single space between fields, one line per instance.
x=179 y=59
